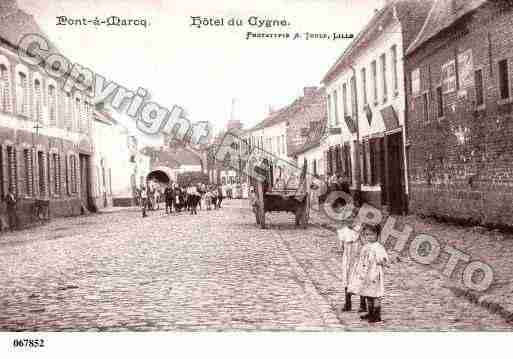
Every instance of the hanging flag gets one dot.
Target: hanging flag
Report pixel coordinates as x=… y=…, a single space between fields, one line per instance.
x=368 y=114
x=350 y=124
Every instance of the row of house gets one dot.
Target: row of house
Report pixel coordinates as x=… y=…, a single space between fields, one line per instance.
x=421 y=104
x=416 y=114
x=57 y=146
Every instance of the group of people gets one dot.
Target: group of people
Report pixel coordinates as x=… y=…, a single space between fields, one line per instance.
x=363 y=260
x=182 y=198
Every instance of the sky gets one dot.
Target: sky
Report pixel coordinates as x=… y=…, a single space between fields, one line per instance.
x=203 y=70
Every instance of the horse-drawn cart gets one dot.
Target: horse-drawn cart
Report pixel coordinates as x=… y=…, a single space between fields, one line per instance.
x=289 y=198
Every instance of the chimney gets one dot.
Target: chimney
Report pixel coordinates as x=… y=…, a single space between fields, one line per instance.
x=309 y=91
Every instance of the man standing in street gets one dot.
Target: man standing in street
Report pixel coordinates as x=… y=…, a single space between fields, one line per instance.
x=10 y=200
x=144 y=201
x=168 y=197
x=219 y=196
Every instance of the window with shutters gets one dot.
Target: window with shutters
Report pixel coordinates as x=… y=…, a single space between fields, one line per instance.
x=354 y=99
x=49 y=174
x=374 y=74
x=73 y=175
x=5 y=94
x=38 y=101
x=52 y=105
x=479 y=85
x=56 y=164
x=449 y=78
x=383 y=61
x=344 y=98
x=11 y=169
x=22 y=94
x=68 y=112
x=27 y=159
x=335 y=108
x=41 y=173
x=364 y=86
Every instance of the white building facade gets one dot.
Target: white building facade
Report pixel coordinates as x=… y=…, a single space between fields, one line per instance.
x=366 y=112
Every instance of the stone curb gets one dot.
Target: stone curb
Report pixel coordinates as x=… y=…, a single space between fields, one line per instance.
x=484 y=301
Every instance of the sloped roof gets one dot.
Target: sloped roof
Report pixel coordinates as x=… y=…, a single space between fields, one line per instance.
x=410 y=13
x=16 y=23
x=443 y=14
x=273 y=118
x=285 y=113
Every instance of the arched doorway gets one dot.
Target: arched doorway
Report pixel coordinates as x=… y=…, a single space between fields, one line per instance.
x=158 y=176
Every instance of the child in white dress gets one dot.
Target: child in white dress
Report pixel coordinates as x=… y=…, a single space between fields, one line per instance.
x=350 y=238
x=367 y=279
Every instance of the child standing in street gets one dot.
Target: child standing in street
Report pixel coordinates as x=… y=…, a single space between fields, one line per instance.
x=367 y=279
x=350 y=238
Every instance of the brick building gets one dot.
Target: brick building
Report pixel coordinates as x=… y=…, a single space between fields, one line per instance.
x=460 y=112
x=45 y=142
x=308 y=115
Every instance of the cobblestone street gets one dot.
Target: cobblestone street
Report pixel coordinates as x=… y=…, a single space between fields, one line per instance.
x=214 y=271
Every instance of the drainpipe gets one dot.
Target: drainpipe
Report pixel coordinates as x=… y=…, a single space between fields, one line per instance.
x=358 y=182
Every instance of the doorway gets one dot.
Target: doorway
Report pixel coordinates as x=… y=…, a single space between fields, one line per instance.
x=85 y=182
x=395 y=185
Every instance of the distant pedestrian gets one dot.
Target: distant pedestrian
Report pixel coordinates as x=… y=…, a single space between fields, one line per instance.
x=11 y=204
x=193 y=198
x=350 y=238
x=144 y=201
x=219 y=196
x=368 y=277
x=168 y=198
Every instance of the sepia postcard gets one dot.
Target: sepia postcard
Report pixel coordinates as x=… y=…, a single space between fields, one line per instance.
x=276 y=167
